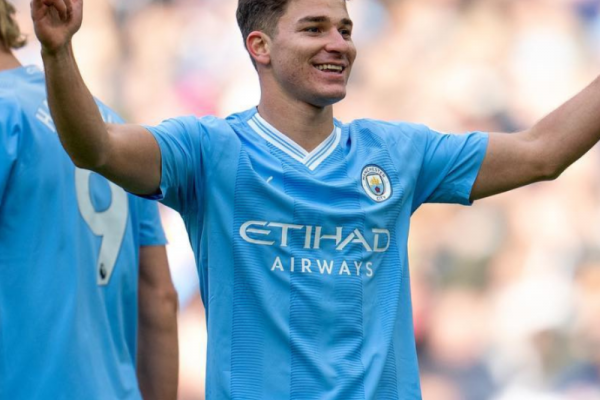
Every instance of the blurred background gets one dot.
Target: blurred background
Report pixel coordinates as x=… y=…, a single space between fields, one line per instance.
x=506 y=294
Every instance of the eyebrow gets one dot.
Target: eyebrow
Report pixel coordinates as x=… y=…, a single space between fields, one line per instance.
x=344 y=21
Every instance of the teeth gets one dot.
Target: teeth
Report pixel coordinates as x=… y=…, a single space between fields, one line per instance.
x=330 y=67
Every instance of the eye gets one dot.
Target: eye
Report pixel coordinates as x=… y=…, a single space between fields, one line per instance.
x=312 y=29
x=347 y=33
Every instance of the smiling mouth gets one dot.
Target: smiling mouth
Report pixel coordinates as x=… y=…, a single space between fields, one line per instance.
x=338 y=69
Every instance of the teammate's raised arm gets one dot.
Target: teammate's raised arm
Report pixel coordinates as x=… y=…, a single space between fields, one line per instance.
x=125 y=154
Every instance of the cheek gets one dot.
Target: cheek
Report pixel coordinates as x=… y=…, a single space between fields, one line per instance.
x=353 y=52
x=297 y=71
x=299 y=78
x=291 y=75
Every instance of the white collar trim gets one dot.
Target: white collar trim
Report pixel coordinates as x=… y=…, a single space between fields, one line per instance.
x=313 y=159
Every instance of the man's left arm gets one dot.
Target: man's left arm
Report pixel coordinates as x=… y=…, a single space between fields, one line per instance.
x=544 y=151
x=158 y=352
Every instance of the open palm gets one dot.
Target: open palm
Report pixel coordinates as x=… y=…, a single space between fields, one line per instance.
x=56 y=21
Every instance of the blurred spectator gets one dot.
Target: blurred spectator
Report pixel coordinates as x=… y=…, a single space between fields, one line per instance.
x=456 y=344
x=581 y=379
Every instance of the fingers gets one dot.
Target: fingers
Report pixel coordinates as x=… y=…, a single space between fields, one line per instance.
x=69 y=5
x=64 y=8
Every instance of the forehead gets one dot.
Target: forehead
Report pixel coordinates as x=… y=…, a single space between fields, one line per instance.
x=297 y=10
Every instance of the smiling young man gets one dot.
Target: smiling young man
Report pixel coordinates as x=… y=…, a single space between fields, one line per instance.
x=299 y=222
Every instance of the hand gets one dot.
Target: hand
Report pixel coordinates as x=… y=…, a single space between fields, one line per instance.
x=55 y=22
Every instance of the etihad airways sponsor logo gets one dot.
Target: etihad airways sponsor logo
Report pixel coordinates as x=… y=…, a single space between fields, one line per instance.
x=266 y=233
x=323 y=267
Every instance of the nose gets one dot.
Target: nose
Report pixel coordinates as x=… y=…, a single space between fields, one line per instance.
x=337 y=43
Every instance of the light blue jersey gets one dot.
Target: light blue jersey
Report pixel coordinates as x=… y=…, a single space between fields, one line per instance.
x=302 y=257
x=69 y=245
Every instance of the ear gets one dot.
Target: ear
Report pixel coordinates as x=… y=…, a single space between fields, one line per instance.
x=259 y=46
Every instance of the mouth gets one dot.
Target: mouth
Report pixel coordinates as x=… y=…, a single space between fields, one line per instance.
x=331 y=68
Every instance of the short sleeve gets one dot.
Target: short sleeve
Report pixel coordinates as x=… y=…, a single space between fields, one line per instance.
x=9 y=140
x=151 y=230
x=181 y=180
x=449 y=167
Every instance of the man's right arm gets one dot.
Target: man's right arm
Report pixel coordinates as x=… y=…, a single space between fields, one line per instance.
x=125 y=154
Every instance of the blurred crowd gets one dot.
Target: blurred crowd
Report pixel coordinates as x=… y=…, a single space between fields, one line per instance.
x=506 y=294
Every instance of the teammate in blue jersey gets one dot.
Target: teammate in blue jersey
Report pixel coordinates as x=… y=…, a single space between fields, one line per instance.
x=299 y=222
x=70 y=244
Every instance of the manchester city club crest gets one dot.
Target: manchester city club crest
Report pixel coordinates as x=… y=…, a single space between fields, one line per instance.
x=376 y=183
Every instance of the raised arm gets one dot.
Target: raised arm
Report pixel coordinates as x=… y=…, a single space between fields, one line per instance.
x=544 y=151
x=126 y=154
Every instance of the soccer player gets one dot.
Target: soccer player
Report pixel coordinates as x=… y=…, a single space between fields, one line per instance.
x=299 y=222
x=70 y=245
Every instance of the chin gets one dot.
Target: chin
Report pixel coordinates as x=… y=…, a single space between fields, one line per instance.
x=329 y=99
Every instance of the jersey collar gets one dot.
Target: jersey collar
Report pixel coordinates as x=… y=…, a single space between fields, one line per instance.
x=310 y=159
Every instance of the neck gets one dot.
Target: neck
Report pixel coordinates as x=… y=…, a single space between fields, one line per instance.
x=305 y=124
x=8 y=60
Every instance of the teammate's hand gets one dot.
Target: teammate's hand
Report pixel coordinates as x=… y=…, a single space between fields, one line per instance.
x=55 y=22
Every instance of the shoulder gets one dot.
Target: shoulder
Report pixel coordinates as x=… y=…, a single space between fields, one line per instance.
x=12 y=89
x=383 y=128
x=192 y=124
x=23 y=85
x=10 y=111
x=23 y=97
x=9 y=101
x=191 y=133
x=11 y=128
x=209 y=124
x=391 y=133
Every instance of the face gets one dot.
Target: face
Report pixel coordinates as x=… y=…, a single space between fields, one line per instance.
x=312 y=52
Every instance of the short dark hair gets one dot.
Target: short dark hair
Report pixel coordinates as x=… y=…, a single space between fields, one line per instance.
x=10 y=34
x=260 y=15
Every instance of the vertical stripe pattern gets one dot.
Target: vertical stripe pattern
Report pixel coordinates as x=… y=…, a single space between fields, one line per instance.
x=326 y=327
x=389 y=273
x=248 y=336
